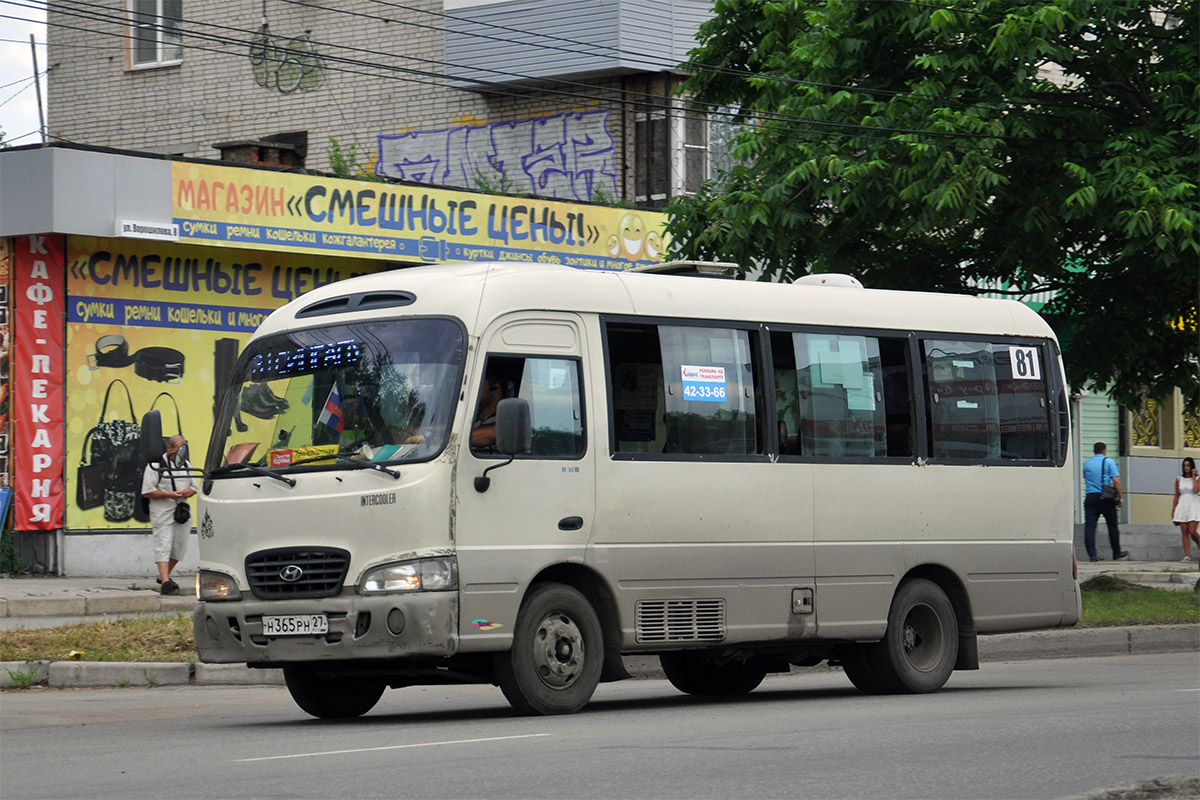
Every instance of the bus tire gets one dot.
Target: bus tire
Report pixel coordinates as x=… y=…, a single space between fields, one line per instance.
x=918 y=651
x=857 y=665
x=557 y=653
x=328 y=697
x=692 y=673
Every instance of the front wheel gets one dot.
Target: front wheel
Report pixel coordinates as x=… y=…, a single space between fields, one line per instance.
x=693 y=673
x=918 y=652
x=557 y=653
x=329 y=696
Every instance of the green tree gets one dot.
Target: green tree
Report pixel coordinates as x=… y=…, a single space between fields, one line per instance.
x=924 y=144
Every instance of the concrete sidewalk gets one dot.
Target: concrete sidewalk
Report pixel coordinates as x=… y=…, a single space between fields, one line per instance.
x=34 y=602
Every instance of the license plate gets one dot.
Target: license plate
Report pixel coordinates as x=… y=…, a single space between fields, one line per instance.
x=295 y=625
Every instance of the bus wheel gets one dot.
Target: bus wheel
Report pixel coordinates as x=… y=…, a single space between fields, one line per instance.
x=692 y=673
x=331 y=697
x=918 y=652
x=857 y=666
x=557 y=653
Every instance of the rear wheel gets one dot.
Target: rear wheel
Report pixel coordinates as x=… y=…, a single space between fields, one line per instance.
x=694 y=673
x=331 y=696
x=918 y=652
x=557 y=653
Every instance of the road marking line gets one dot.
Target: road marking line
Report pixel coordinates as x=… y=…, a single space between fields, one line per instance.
x=394 y=747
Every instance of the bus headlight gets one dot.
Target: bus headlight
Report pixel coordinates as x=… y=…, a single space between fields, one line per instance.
x=216 y=586
x=422 y=575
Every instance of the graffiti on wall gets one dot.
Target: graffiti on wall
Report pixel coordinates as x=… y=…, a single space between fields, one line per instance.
x=566 y=156
x=285 y=65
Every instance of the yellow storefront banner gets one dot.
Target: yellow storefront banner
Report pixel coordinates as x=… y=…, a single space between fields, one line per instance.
x=156 y=325
x=237 y=207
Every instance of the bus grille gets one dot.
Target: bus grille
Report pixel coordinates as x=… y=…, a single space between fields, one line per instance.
x=680 y=620
x=297 y=573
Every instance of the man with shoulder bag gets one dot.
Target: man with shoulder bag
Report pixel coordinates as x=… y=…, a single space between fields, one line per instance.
x=167 y=485
x=1102 y=482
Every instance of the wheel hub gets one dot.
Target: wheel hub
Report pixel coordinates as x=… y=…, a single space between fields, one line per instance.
x=922 y=637
x=558 y=651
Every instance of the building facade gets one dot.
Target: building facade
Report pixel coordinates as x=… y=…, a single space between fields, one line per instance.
x=559 y=99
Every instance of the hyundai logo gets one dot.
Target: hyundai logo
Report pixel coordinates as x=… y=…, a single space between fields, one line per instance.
x=291 y=573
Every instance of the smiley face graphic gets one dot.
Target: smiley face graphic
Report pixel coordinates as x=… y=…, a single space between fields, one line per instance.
x=633 y=233
x=614 y=245
x=654 y=246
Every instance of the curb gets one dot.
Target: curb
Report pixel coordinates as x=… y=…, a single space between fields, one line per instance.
x=81 y=605
x=1004 y=647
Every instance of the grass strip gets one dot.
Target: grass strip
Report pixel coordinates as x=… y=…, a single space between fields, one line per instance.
x=1110 y=602
x=145 y=638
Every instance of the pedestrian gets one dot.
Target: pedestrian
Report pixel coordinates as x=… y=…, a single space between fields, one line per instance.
x=1100 y=471
x=1185 y=508
x=167 y=485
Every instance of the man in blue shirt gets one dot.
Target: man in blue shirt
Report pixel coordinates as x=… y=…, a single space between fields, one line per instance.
x=1098 y=472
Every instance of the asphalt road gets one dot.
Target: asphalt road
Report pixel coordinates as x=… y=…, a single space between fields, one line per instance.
x=1032 y=729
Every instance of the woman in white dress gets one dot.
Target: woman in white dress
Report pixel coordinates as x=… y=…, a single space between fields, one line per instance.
x=1185 y=509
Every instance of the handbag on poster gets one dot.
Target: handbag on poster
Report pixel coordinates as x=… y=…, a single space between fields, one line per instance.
x=114 y=451
x=89 y=480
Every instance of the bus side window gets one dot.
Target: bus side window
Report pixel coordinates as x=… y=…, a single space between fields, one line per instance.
x=551 y=387
x=636 y=387
x=683 y=390
x=897 y=403
x=712 y=406
x=987 y=401
x=841 y=393
x=787 y=394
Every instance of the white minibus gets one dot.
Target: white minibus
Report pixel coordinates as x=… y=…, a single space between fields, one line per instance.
x=520 y=474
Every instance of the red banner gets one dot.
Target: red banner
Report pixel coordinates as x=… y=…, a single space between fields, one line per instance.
x=38 y=373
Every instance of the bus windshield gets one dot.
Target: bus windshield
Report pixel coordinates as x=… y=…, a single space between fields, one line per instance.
x=373 y=392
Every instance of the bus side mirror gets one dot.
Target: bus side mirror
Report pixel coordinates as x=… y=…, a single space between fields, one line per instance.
x=514 y=434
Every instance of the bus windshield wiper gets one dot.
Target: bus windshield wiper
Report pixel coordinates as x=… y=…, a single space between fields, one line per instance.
x=344 y=458
x=257 y=470
x=360 y=464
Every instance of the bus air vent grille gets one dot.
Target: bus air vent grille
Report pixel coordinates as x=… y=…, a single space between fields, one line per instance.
x=681 y=620
x=285 y=573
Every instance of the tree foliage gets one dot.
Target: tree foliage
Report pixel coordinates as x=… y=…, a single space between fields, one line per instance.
x=965 y=145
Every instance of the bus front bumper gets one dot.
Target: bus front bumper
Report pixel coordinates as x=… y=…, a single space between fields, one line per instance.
x=357 y=627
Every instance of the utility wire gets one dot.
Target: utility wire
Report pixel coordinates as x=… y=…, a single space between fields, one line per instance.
x=22 y=80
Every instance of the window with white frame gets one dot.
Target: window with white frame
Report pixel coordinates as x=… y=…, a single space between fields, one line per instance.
x=156 y=32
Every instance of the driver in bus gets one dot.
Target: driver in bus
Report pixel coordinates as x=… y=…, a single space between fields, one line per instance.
x=483 y=429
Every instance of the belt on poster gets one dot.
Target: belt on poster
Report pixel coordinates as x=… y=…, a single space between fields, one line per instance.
x=161 y=364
